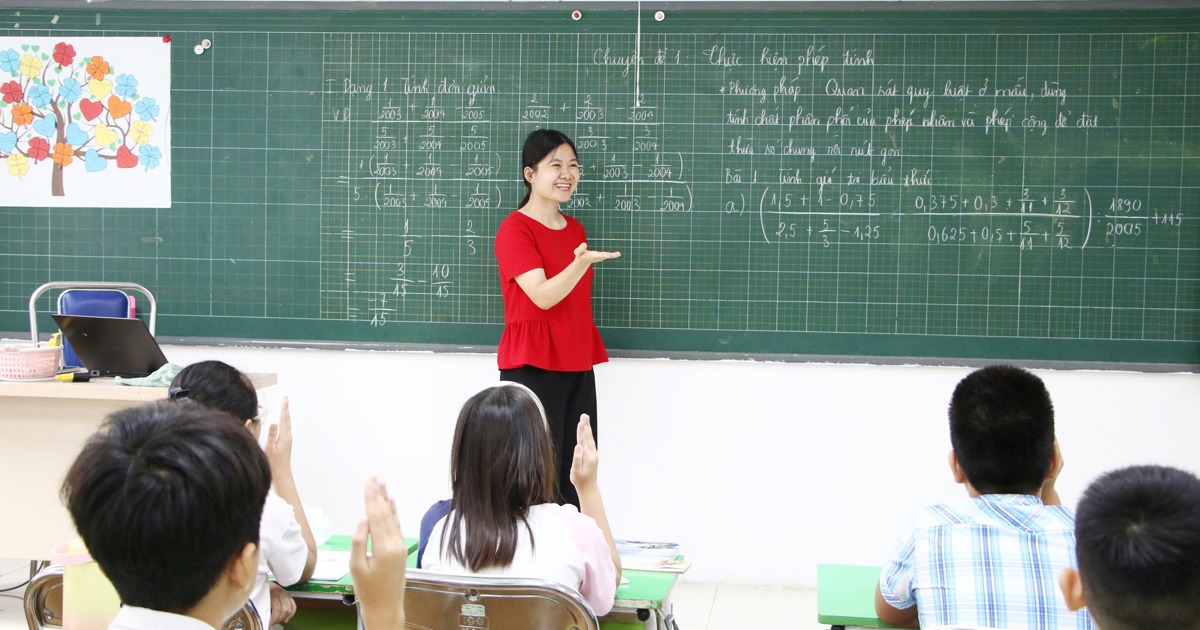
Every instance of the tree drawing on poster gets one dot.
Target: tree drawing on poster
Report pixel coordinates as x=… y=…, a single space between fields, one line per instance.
x=83 y=122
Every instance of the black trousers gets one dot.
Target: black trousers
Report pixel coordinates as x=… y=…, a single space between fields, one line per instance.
x=564 y=395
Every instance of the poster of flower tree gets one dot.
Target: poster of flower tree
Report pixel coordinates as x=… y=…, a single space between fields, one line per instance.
x=84 y=122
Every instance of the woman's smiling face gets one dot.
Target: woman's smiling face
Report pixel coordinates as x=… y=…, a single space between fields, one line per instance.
x=556 y=176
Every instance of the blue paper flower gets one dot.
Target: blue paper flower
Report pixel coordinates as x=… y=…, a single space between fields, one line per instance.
x=10 y=61
x=149 y=156
x=70 y=90
x=147 y=109
x=38 y=96
x=126 y=85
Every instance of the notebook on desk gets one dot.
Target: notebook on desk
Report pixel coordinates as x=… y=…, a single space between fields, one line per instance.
x=112 y=346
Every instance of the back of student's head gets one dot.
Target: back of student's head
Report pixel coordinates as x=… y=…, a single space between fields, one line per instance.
x=165 y=495
x=1137 y=537
x=501 y=464
x=218 y=386
x=1002 y=429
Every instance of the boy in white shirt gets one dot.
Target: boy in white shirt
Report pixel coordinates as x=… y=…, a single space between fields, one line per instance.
x=168 y=500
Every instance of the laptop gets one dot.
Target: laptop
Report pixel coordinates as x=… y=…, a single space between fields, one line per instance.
x=112 y=346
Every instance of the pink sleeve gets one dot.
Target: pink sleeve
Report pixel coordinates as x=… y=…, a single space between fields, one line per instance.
x=516 y=251
x=599 y=584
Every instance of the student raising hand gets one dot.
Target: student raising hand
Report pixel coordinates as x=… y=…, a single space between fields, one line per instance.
x=379 y=577
x=584 y=467
x=279 y=456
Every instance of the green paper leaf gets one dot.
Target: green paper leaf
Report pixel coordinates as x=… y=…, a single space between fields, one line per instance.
x=50 y=83
x=25 y=47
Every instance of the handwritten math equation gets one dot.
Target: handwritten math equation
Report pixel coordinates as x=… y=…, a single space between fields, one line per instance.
x=813 y=143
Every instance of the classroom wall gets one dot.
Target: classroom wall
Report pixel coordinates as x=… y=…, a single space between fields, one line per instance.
x=760 y=470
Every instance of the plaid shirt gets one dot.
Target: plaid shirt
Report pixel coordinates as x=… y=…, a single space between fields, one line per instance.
x=992 y=561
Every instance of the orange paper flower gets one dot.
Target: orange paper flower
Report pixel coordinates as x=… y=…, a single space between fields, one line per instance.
x=63 y=154
x=22 y=114
x=97 y=68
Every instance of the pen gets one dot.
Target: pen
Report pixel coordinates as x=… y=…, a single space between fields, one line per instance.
x=74 y=377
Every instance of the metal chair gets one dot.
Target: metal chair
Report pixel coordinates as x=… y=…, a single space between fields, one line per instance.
x=39 y=611
x=433 y=601
x=43 y=610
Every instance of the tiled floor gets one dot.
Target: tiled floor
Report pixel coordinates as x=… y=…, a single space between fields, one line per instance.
x=697 y=606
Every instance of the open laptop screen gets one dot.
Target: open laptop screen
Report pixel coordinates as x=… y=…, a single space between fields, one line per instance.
x=112 y=346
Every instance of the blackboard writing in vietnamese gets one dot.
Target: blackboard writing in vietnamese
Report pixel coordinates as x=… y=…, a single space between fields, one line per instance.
x=926 y=185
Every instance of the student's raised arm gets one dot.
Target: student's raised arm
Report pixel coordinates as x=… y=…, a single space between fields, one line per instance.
x=583 y=476
x=379 y=577
x=279 y=456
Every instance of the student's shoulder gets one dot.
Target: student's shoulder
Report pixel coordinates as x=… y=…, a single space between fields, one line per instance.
x=567 y=515
x=435 y=513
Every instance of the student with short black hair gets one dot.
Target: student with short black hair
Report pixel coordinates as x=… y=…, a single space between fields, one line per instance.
x=168 y=498
x=289 y=549
x=991 y=560
x=1137 y=537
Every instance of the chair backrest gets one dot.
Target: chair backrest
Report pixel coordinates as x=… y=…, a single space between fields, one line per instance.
x=433 y=601
x=245 y=619
x=45 y=588
x=43 y=604
x=96 y=302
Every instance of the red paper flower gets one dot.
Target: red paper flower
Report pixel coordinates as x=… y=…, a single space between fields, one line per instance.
x=12 y=92
x=39 y=149
x=64 y=53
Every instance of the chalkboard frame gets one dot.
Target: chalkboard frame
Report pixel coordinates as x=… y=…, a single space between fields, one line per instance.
x=1107 y=354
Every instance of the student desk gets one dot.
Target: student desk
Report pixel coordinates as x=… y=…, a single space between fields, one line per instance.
x=640 y=604
x=846 y=596
x=43 y=425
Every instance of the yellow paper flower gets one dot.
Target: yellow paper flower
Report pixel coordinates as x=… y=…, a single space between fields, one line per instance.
x=31 y=65
x=18 y=165
x=141 y=132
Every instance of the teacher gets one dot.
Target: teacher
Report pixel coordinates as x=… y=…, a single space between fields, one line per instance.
x=550 y=341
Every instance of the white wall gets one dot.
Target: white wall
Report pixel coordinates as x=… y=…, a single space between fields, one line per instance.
x=760 y=470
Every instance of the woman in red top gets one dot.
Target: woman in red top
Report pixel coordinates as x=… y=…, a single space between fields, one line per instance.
x=550 y=341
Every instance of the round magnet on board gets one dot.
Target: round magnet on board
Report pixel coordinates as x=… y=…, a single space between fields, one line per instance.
x=576 y=14
x=199 y=50
x=206 y=44
x=659 y=16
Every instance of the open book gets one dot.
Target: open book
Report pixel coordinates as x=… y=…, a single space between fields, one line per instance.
x=642 y=555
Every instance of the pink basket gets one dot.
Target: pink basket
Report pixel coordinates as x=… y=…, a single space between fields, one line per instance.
x=28 y=362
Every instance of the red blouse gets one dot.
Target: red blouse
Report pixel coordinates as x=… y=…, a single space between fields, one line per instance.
x=562 y=338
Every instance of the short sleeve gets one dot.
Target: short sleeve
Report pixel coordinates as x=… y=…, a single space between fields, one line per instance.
x=896 y=578
x=282 y=543
x=599 y=584
x=516 y=248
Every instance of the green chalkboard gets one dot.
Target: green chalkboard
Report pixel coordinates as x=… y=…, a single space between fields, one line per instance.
x=891 y=180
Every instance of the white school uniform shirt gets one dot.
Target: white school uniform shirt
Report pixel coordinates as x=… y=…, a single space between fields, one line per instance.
x=570 y=549
x=134 y=618
x=282 y=552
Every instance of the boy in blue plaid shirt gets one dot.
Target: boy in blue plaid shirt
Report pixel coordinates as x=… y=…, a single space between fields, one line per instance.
x=991 y=560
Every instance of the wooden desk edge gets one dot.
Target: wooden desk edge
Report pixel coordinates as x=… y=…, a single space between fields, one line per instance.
x=103 y=389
